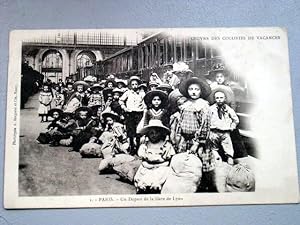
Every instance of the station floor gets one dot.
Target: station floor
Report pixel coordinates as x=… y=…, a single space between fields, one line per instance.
x=53 y=171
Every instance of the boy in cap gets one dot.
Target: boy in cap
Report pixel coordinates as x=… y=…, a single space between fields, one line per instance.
x=223 y=121
x=132 y=104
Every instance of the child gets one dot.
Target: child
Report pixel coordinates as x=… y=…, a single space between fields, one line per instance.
x=171 y=79
x=45 y=100
x=156 y=102
x=115 y=104
x=110 y=84
x=155 y=78
x=83 y=131
x=68 y=91
x=156 y=154
x=52 y=129
x=78 y=98
x=193 y=125
x=223 y=121
x=152 y=85
x=96 y=98
x=132 y=103
x=59 y=98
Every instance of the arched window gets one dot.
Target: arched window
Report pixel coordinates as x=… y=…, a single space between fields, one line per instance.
x=83 y=60
x=52 y=59
x=52 y=64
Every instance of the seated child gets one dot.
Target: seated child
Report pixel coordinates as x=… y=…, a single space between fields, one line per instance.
x=223 y=121
x=113 y=139
x=83 y=131
x=53 y=128
x=156 y=154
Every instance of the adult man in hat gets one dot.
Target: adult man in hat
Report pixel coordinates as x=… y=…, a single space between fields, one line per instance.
x=132 y=103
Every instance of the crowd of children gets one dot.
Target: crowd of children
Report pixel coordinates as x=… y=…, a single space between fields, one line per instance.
x=170 y=124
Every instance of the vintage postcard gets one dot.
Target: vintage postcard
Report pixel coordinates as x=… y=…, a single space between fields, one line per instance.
x=149 y=117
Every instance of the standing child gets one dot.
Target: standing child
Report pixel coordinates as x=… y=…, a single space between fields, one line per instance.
x=59 y=97
x=193 y=125
x=156 y=102
x=132 y=103
x=223 y=121
x=45 y=100
x=96 y=97
x=78 y=98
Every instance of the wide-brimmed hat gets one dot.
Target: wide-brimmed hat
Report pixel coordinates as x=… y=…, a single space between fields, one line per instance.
x=153 y=83
x=173 y=97
x=111 y=114
x=224 y=89
x=217 y=68
x=165 y=87
x=143 y=85
x=155 y=124
x=132 y=78
x=51 y=111
x=83 y=108
x=150 y=95
x=90 y=78
x=124 y=82
x=181 y=67
x=83 y=83
x=96 y=87
x=205 y=88
x=117 y=90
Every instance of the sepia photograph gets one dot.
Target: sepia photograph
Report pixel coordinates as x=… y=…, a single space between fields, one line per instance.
x=149 y=117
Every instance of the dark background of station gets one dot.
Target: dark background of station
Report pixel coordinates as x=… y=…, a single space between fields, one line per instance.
x=68 y=14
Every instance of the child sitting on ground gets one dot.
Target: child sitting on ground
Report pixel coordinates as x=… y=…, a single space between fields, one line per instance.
x=223 y=121
x=52 y=129
x=156 y=154
x=113 y=140
x=83 y=131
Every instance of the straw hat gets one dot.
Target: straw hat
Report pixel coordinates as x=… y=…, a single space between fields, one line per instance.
x=83 y=108
x=150 y=95
x=165 y=87
x=224 y=89
x=132 y=78
x=51 y=111
x=205 y=88
x=111 y=114
x=173 y=97
x=153 y=83
x=96 y=87
x=155 y=124
x=217 y=68
x=117 y=90
x=83 y=83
